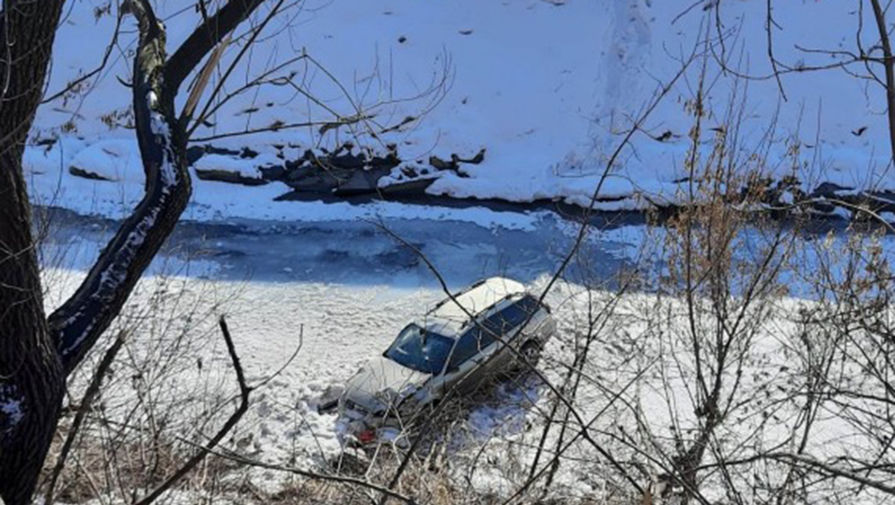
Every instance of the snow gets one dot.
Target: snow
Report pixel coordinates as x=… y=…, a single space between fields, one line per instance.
x=115 y=159
x=50 y=184
x=160 y=129
x=13 y=410
x=547 y=87
x=119 y=160
x=236 y=165
x=336 y=328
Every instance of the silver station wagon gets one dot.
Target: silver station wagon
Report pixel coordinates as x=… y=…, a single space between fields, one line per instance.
x=493 y=326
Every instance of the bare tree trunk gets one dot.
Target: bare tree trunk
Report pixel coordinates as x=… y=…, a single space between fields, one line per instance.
x=80 y=321
x=31 y=379
x=880 y=15
x=36 y=354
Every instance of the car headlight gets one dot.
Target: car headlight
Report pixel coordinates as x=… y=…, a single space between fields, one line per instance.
x=392 y=397
x=397 y=402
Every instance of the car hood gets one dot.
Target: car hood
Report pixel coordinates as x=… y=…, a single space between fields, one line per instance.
x=382 y=381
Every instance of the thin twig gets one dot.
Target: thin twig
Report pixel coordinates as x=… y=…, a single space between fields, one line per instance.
x=244 y=391
x=86 y=401
x=385 y=492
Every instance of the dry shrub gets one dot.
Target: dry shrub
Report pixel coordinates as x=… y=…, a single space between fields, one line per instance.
x=168 y=388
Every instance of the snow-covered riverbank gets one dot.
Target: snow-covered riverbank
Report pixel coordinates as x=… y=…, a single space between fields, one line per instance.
x=546 y=87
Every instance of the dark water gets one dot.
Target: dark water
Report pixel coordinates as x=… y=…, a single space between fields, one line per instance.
x=348 y=252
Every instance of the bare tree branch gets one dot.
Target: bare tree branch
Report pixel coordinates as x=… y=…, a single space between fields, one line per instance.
x=384 y=491
x=889 y=64
x=105 y=60
x=79 y=322
x=204 y=38
x=86 y=401
x=769 y=27
x=244 y=391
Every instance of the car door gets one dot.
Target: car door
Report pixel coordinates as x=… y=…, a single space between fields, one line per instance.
x=508 y=322
x=465 y=370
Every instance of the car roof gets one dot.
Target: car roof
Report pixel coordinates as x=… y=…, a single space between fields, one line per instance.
x=448 y=319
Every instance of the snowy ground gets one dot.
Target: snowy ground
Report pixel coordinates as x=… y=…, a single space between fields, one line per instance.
x=546 y=87
x=336 y=327
x=345 y=287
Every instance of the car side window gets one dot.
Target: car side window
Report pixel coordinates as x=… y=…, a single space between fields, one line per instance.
x=471 y=343
x=475 y=339
x=514 y=315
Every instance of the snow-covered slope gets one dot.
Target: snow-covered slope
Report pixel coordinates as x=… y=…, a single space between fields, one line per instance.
x=336 y=328
x=548 y=88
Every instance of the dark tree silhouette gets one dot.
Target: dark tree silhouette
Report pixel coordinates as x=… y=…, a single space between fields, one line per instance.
x=37 y=352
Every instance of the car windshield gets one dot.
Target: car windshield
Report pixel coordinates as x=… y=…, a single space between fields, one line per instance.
x=420 y=349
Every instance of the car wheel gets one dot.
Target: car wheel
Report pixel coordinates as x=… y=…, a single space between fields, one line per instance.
x=531 y=352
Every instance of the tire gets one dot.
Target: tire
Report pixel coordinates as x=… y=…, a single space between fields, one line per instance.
x=531 y=352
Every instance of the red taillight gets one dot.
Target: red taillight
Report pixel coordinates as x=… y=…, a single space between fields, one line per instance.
x=366 y=436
